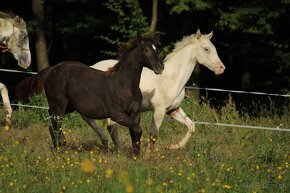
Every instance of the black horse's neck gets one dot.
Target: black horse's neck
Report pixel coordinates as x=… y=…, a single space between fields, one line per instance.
x=131 y=68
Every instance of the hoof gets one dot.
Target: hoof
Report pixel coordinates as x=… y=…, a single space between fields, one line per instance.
x=7 y=123
x=105 y=145
x=135 y=154
x=60 y=145
x=173 y=146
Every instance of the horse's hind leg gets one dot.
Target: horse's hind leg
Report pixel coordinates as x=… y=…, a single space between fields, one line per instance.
x=113 y=129
x=92 y=124
x=7 y=107
x=179 y=115
x=56 y=133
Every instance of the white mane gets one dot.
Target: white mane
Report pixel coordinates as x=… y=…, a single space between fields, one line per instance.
x=186 y=40
x=14 y=19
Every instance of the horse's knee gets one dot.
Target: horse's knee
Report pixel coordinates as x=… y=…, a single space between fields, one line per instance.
x=138 y=132
x=191 y=128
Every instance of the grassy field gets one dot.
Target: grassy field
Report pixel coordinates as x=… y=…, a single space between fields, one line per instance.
x=216 y=159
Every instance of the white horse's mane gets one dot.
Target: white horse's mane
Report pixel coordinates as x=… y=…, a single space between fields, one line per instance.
x=14 y=19
x=186 y=40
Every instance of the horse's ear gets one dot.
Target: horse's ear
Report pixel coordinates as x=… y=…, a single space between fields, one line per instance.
x=156 y=39
x=140 y=38
x=197 y=34
x=17 y=19
x=209 y=36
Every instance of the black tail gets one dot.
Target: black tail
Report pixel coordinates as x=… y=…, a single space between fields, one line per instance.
x=31 y=86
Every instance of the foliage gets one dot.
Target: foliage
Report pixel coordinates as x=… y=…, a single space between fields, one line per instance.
x=129 y=20
x=216 y=159
x=178 y=6
x=282 y=70
x=254 y=19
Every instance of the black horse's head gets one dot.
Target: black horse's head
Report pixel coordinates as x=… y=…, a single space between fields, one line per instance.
x=150 y=57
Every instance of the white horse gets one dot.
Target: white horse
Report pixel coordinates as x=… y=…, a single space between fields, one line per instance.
x=14 y=39
x=164 y=93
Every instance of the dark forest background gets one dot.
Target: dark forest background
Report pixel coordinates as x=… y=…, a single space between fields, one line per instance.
x=252 y=37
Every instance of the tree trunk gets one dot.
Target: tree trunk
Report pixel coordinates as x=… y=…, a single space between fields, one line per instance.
x=154 y=15
x=40 y=44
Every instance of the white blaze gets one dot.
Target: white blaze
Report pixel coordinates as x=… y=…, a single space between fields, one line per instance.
x=154 y=48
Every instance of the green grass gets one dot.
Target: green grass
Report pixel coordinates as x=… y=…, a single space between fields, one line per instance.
x=216 y=159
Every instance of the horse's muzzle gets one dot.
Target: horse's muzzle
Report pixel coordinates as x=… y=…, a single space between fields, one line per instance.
x=24 y=63
x=219 y=68
x=159 y=68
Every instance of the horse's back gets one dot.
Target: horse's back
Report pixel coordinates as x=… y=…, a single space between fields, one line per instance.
x=73 y=86
x=71 y=76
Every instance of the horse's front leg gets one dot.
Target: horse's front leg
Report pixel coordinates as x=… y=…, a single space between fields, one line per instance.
x=136 y=133
x=135 y=129
x=7 y=107
x=179 y=115
x=56 y=133
x=157 y=118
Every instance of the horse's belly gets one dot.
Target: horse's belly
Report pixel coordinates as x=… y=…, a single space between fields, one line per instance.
x=91 y=109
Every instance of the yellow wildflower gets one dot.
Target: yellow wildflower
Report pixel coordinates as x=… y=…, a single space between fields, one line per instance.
x=226 y=186
x=149 y=181
x=129 y=188
x=87 y=166
x=109 y=173
x=202 y=190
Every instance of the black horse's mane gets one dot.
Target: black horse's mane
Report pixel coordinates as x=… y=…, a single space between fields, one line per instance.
x=124 y=51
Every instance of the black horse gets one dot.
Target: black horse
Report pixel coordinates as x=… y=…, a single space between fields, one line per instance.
x=72 y=86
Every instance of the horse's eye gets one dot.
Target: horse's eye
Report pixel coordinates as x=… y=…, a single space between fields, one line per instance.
x=206 y=50
x=24 y=37
x=3 y=39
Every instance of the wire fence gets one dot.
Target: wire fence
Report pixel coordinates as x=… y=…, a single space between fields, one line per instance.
x=278 y=128
x=237 y=91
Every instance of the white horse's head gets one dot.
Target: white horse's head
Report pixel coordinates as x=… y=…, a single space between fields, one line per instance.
x=206 y=53
x=14 y=35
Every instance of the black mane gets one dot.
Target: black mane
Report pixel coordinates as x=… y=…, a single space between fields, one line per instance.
x=124 y=51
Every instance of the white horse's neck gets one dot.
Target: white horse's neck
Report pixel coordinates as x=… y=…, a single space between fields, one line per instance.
x=179 y=66
x=6 y=28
